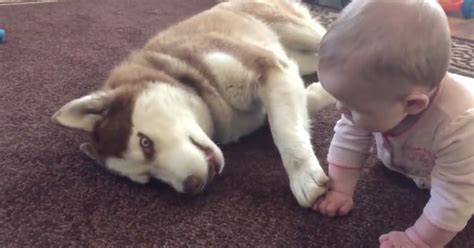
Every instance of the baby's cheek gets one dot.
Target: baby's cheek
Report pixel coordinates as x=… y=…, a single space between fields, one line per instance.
x=368 y=124
x=348 y=116
x=357 y=120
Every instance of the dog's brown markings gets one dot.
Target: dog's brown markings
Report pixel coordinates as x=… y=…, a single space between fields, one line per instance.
x=254 y=58
x=111 y=134
x=188 y=78
x=131 y=73
x=283 y=13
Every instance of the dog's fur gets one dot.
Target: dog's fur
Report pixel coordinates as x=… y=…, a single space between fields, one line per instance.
x=212 y=78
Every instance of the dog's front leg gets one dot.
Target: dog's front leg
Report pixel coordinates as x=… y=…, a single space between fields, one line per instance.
x=283 y=96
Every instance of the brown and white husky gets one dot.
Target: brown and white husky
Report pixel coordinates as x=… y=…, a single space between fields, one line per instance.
x=212 y=78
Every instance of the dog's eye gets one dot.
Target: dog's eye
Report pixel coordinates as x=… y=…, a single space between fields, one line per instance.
x=145 y=142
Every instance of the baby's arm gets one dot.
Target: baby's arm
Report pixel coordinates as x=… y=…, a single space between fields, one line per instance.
x=452 y=186
x=423 y=234
x=338 y=200
x=348 y=151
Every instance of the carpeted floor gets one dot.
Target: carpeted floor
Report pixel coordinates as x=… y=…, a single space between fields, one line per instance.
x=52 y=195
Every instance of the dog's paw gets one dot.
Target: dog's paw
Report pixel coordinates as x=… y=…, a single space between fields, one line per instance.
x=317 y=98
x=308 y=184
x=141 y=178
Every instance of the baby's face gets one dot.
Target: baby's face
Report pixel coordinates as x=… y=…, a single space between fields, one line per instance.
x=367 y=105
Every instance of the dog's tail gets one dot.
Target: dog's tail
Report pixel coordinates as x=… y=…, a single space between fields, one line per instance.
x=317 y=98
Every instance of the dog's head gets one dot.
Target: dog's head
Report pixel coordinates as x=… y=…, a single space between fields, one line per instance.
x=148 y=130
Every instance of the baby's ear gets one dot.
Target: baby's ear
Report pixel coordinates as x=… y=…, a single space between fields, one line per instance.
x=84 y=112
x=416 y=103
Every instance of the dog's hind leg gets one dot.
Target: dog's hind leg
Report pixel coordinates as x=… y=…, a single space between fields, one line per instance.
x=301 y=39
x=299 y=34
x=290 y=20
x=297 y=31
x=283 y=96
x=307 y=62
x=317 y=98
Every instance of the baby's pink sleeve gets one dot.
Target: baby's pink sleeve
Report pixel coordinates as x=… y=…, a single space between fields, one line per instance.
x=452 y=180
x=350 y=145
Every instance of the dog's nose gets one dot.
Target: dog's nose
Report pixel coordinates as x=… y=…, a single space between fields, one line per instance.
x=193 y=185
x=213 y=170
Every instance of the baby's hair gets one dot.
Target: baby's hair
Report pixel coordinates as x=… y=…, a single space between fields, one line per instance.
x=405 y=40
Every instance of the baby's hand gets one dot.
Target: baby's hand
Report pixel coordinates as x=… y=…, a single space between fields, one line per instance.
x=334 y=203
x=398 y=239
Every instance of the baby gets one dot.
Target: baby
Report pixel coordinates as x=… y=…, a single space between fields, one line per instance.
x=386 y=64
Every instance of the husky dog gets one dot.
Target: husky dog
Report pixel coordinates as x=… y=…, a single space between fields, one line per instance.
x=212 y=78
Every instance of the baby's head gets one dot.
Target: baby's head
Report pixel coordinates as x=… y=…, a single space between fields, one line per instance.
x=383 y=59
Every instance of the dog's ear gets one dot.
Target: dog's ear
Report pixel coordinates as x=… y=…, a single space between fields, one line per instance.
x=84 y=112
x=91 y=152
